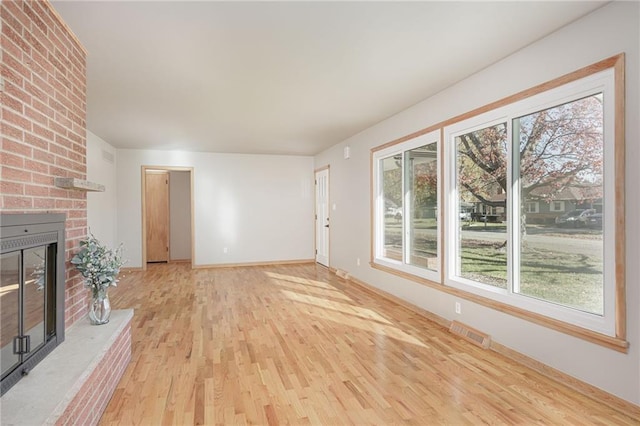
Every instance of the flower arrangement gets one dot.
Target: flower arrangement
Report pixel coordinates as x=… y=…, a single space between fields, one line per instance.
x=98 y=265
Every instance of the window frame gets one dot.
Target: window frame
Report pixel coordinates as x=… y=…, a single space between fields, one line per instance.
x=378 y=211
x=618 y=341
x=602 y=81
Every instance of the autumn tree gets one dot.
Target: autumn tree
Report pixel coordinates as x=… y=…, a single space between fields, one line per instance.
x=421 y=175
x=558 y=147
x=392 y=181
x=424 y=178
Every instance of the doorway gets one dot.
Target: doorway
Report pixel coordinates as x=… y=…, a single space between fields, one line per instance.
x=322 y=216
x=167 y=215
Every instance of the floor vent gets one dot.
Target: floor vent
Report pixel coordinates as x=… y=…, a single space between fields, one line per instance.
x=342 y=274
x=474 y=336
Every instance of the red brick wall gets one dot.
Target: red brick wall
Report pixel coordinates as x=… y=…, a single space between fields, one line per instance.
x=92 y=397
x=43 y=98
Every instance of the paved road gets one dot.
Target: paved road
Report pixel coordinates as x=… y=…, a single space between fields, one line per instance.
x=559 y=243
x=563 y=243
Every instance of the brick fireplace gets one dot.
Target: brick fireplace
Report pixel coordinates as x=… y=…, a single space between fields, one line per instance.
x=43 y=122
x=44 y=125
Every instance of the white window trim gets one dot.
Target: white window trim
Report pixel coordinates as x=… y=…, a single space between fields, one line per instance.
x=602 y=81
x=379 y=209
x=552 y=206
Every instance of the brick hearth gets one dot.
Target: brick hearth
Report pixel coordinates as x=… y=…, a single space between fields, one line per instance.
x=73 y=385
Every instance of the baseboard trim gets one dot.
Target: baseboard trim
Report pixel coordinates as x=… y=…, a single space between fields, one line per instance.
x=623 y=406
x=249 y=264
x=398 y=301
x=612 y=401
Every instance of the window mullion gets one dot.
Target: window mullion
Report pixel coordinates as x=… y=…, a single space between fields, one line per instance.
x=406 y=209
x=515 y=207
x=379 y=240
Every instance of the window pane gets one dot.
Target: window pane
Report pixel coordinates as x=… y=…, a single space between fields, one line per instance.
x=9 y=306
x=34 y=295
x=482 y=182
x=561 y=158
x=391 y=168
x=421 y=186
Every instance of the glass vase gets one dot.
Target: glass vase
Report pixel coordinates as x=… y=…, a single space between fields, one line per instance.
x=99 y=308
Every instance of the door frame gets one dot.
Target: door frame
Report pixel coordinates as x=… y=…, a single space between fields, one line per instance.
x=144 y=208
x=315 y=212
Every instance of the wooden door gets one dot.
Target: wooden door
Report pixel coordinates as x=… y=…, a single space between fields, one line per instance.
x=157 y=215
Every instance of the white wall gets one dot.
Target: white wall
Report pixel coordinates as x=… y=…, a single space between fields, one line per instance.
x=604 y=33
x=258 y=207
x=179 y=215
x=102 y=206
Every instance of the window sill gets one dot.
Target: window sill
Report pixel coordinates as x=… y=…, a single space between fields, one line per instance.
x=615 y=343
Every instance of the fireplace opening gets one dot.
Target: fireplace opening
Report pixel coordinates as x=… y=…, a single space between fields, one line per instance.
x=32 y=283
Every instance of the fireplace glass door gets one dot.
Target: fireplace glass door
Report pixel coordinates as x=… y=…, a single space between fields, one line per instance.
x=23 y=291
x=32 y=291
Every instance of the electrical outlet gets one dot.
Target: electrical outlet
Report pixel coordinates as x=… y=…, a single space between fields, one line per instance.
x=358 y=261
x=458 y=308
x=225 y=250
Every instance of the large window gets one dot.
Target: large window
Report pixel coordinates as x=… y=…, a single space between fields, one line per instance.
x=406 y=206
x=549 y=154
x=531 y=208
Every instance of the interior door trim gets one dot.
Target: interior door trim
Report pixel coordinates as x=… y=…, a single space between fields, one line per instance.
x=144 y=221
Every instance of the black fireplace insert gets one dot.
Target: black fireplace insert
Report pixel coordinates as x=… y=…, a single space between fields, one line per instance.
x=32 y=291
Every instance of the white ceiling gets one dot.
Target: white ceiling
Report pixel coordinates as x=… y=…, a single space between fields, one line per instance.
x=284 y=77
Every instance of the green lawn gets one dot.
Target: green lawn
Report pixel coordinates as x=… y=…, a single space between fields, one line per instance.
x=569 y=279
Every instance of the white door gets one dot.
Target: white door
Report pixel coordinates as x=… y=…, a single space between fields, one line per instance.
x=322 y=217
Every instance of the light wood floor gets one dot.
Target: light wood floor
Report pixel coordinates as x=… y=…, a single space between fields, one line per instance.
x=297 y=345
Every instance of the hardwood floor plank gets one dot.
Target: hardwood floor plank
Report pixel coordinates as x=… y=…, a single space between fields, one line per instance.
x=295 y=344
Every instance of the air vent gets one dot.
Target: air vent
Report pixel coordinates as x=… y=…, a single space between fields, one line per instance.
x=107 y=156
x=342 y=274
x=471 y=335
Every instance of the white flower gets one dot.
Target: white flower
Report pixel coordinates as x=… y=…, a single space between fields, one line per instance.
x=98 y=265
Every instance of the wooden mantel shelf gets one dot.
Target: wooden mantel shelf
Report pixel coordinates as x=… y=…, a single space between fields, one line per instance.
x=78 y=184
